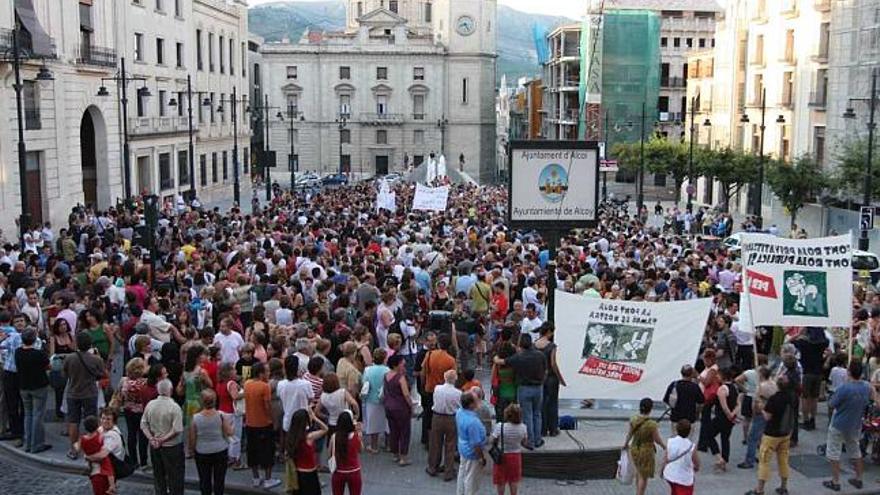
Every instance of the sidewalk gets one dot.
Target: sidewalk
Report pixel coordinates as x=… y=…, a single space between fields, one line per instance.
x=382 y=476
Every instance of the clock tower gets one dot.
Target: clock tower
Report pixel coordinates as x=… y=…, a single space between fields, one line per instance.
x=467 y=28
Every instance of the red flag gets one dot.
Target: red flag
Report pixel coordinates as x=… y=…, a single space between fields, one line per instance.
x=761 y=285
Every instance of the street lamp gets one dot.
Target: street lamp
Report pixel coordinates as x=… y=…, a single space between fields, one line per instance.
x=261 y=112
x=758 y=192
x=292 y=115
x=43 y=75
x=851 y=114
x=692 y=186
x=174 y=103
x=640 y=197
x=233 y=102
x=122 y=79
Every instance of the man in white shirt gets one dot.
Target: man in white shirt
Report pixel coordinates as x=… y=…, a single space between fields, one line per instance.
x=532 y=321
x=447 y=400
x=229 y=342
x=294 y=392
x=159 y=328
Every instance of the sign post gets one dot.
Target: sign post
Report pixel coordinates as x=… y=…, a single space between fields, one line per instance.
x=866 y=224
x=553 y=188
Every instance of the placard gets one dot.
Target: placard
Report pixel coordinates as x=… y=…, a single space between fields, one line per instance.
x=430 y=198
x=798 y=282
x=628 y=350
x=553 y=184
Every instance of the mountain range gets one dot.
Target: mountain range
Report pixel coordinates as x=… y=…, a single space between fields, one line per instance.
x=516 y=46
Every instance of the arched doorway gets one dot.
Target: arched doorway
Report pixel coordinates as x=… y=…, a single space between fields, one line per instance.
x=89 y=160
x=93 y=155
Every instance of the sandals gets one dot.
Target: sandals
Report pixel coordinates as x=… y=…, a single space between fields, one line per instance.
x=754 y=492
x=856 y=483
x=72 y=455
x=782 y=491
x=831 y=485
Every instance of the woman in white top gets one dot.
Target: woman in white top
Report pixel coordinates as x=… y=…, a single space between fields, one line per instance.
x=681 y=461
x=509 y=472
x=335 y=399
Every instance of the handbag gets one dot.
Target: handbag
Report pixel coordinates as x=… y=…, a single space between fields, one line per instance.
x=625 y=468
x=365 y=389
x=331 y=462
x=496 y=452
x=237 y=404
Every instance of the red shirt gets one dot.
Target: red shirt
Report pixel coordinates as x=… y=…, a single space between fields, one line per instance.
x=351 y=462
x=499 y=303
x=305 y=457
x=224 y=400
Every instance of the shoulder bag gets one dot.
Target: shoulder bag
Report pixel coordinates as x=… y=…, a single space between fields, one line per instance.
x=496 y=452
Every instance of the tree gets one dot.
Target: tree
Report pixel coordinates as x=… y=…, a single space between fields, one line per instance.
x=796 y=183
x=849 y=176
x=669 y=158
x=733 y=169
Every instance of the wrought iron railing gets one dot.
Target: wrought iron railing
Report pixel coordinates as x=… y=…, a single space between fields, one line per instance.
x=96 y=55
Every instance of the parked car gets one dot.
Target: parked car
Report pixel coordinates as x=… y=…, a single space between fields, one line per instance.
x=866 y=266
x=335 y=180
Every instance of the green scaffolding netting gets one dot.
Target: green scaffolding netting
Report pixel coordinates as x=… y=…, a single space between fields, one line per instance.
x=630 y=72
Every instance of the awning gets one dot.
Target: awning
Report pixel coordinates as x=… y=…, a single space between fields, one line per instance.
x=41 y=44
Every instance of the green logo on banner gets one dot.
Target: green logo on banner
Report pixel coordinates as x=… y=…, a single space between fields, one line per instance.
x=805 y=294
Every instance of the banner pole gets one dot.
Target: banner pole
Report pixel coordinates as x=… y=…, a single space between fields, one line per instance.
x=552 y=241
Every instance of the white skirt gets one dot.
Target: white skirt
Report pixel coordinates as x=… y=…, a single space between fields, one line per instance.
x=374 y=419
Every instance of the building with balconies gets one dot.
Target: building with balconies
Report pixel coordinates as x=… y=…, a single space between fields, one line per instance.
x=73 y=124
x=403 y=80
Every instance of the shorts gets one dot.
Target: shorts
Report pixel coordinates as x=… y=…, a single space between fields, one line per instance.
x=811 y=387
x=260 y=446
x=836 y=439
x=79 y=409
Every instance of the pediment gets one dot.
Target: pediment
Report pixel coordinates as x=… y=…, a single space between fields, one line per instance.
x=291 y=88
x=344 y=88
x=382 y=88
x=381 y=17
x=419 y=89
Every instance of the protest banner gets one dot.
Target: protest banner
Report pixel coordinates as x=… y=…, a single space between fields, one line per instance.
x=430 y=198
x=386 y=199
x=798 y=282
x=610 y=349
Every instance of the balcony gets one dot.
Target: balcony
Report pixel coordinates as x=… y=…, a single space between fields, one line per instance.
x=418 y=116
x=25 y=45
x=149 y=126
x=98 y=56
x=760 y=16
x=818 y=99
x=380 y=119
x=669 y=117
x=673 y=82
x=822 y=5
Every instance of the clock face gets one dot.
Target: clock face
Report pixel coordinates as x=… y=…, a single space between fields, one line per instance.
x=465 y=25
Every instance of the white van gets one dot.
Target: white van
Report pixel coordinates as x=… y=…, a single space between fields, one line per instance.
x=866 y=266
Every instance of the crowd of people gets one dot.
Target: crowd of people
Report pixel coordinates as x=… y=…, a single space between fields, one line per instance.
x=294 y=339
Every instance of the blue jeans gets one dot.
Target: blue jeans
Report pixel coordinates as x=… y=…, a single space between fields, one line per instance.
x=530 y=398
x=756 y=430
x=34 y=409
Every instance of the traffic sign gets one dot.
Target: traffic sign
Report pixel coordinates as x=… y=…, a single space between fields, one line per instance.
x=608 y=166
x=866 y=218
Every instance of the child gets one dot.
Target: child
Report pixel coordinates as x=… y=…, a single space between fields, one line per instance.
x=91 y=442
x=244 y=364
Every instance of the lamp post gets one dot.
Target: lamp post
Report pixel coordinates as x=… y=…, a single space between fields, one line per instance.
x=174 y=103
x=851 y=114
x=758 y=194
x=261 y=112
x=690 y=189
x=292 y=115
x=122 y=79
x=43 y=75
x=441 y=124
x=342 y=123
x=233 y=102
x=640 y=195
x=607 y=153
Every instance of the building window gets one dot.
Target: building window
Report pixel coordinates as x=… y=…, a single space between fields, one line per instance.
x=210 y=52
x=139 y=47
x=203 y=170
x=199 y=64
x=166 y=179
x=162 y=94
x=418 y=73
x=214 y=167
x=345 y=136
x=247 y=157
x=689 y=42
x=345 y=105
x=182 y=167
x=392 y=6
x=345 y=72
x=180 y=103
x=702 y=43
x=464 y=91
x=231 y=57
x=160 y=51
x=419 y=137
x=360 y=9
x=346 y=163
x=291 y=72
x=244 y=63
x=221 y=52
x=225 y=166
x=159 y=6
x=179 y=51
x=141 y=104
x=418 y=107
x=676 y=42
x=382 y=73
x=31 y=97
x=211 y=100
x=428 y=12
x=663 y=42
x=293 y=105
x=381 y=104
x=819 y=144
x=178 y=11
x=381 y=136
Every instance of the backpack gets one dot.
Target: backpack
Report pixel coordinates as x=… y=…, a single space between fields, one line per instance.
x=673 y=395
x=567 y=423
x=395 y=325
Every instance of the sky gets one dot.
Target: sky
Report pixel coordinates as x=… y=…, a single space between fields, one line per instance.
x=569 y=8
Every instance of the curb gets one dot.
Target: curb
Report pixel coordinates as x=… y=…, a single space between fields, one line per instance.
x=77 y=468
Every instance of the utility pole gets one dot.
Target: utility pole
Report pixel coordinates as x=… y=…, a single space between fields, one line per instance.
x=691 y=188
x=192 y=152
x=863 y=239
x=640 y=199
